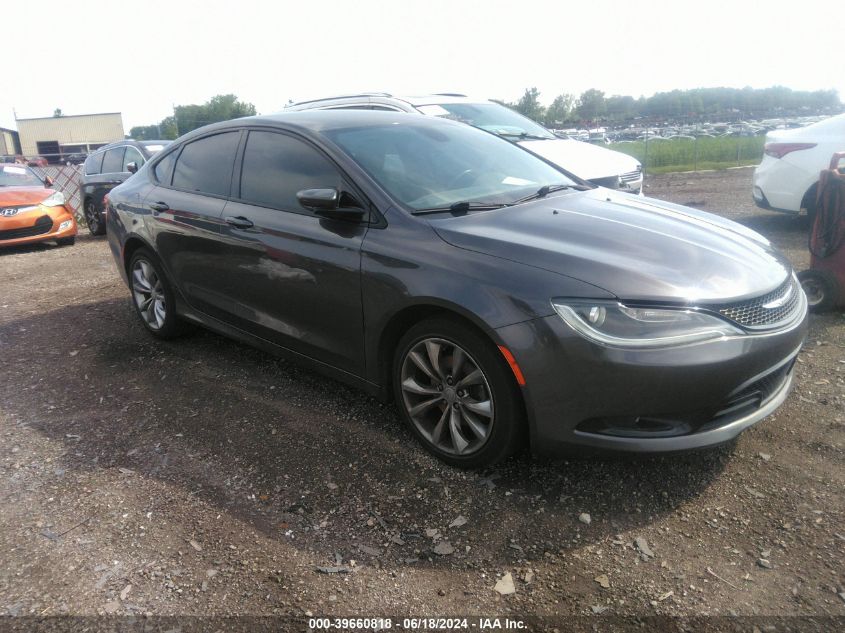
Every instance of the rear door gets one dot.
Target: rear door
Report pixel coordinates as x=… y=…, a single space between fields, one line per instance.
x=291 y=276
x=192 y=184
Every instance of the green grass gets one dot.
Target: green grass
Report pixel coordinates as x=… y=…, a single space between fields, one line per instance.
x=688 y=154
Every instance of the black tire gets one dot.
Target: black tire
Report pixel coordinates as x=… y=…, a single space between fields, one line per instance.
x=169 y=325
x=506 y=430
x=821 y=288
x=66 y=241
x=93 y=218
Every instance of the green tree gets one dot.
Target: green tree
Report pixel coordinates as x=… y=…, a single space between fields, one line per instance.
x=145 y=132
x=529 y=105
x=57 y=112
x=591 y=105
x=218 y=108
x=560 y=111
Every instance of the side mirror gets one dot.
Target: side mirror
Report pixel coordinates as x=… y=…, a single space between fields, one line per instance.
x=318 y=199
x=327 y=203
x=48 y=182
x=131 y=167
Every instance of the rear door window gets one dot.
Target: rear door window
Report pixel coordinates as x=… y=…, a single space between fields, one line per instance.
x=94 y=163
x=205 y=165
x=163 y=169
x=113 y=162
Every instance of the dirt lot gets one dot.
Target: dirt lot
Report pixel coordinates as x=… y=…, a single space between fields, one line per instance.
x=204 y=477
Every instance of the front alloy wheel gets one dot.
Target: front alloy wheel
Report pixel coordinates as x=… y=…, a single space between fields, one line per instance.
x=447 y=396
x=457 y=393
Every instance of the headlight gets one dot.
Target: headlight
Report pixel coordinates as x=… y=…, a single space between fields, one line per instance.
x=54 y=200
x=617 y=325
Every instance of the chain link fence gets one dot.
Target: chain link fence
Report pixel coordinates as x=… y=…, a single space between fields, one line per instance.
x=65 y=179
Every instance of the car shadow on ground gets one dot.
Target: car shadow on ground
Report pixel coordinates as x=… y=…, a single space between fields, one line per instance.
x=285 y=449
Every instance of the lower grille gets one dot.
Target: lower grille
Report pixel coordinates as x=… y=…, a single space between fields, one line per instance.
x=752 y=397
x=738 y=405
x=42 y=225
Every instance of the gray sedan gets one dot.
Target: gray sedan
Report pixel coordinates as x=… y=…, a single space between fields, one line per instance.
x=494 y=297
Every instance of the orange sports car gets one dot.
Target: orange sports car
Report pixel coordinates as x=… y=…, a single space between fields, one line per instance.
x=30 y=211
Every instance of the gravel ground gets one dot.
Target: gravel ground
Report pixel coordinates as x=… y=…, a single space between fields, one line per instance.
x=204 y=477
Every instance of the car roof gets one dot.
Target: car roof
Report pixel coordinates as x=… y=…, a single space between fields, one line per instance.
x=130 y=141
x=319 y=121
x=417 y=100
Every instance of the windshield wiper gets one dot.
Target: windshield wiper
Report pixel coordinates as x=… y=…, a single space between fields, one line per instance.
x=459 y=208
x=545 y=190
x=525 y=136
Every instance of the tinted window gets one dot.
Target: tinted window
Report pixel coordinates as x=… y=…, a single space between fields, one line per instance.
x=113 y=162
x=206 y=165
x=94 y=162
x=164 y=168
x=132 y=155
x=276 y=167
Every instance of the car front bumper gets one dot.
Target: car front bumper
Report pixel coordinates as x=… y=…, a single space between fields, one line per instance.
x=579 y=394
x=38 y=225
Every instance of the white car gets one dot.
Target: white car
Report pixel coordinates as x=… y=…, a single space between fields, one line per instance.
x=787 y=177
x=600 y=166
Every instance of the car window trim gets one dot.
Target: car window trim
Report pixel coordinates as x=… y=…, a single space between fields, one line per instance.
x=183 y=146
x=375 y=218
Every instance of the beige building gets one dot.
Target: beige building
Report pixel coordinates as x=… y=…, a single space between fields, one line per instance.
x=9 y=144
x=53 y=137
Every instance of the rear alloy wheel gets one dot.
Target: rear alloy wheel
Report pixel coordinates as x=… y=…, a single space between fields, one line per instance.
x=152 y=296
x=457 y=393
x=93 y=219
x=821 y=288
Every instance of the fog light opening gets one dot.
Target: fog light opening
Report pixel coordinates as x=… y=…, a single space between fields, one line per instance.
x=65 y=225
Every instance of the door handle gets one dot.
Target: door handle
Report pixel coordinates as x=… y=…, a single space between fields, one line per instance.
x=239 y=222
x=159 y=206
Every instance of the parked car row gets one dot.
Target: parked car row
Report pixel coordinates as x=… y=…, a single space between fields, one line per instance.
x=494 y=296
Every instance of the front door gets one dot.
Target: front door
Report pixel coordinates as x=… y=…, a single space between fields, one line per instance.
x=292 y=277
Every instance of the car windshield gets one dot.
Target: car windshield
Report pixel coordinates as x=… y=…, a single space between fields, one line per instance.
x=19 y=176
x=491 y=117
x=435 y=166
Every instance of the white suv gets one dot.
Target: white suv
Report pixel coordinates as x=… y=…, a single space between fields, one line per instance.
x=600 y=166
x=787 y=177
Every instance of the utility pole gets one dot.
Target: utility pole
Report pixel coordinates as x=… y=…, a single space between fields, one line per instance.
x=175 y=120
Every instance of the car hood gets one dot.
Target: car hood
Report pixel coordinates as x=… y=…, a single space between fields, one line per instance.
x=638 y=249
x=17 y=196
x=583 y=159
